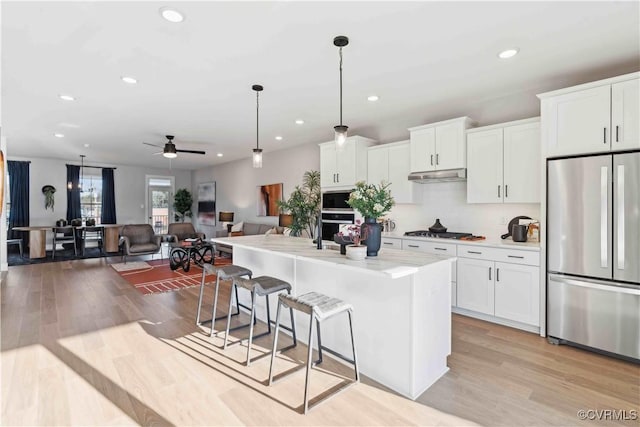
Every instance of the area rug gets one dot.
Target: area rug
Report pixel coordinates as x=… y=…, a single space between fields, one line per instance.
x=154 y=277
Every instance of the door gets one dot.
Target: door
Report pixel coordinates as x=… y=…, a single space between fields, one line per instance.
x=484 y=167
x=346 y=164
x=423 y=148
x=626 y=217
x=579 y=216
x=399 y=164
x=625 y=115
x=450 y=146
x=579 y=122
x=160 y=192
x=517 y=295
x=475 y=288
x=522 y=163
x=378 y=165
x=328 y=165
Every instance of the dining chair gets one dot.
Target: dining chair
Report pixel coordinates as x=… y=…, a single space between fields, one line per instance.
x=92 y=234
x=64 y=235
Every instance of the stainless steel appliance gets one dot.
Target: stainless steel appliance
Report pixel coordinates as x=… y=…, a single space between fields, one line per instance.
x=336 y=200
x=447 y=175
x=593 y=252
x=331 y=222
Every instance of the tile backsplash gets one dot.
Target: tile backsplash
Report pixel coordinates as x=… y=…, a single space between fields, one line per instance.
x=448 y=201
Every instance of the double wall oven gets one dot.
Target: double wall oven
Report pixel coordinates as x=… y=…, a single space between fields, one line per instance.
x=335 y=213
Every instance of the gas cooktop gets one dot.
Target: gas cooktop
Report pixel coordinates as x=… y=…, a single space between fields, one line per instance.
x=427 y=233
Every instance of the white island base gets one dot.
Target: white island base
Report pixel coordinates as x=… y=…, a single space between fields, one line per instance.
x=401 y=300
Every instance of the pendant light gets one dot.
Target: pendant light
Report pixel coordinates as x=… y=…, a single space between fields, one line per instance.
x=82 y=156
x=340 y=130
x=257 y=152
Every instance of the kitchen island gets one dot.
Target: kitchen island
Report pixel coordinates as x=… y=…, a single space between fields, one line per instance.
x=401 y=300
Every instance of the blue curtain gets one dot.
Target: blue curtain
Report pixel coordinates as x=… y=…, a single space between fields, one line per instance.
x=73 y=193
x=108 y=197
x=19 y=194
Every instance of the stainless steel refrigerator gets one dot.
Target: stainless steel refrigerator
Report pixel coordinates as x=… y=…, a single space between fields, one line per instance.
x=593 y=252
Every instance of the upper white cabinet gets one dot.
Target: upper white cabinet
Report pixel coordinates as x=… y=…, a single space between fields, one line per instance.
x=343 y=168
x=592 y=118
x=503 y=163
x=439 y=146
x=391 y=163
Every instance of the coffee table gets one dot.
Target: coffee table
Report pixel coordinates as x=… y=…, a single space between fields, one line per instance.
x=183 y=253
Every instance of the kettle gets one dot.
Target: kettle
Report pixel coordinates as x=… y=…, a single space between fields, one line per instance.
x=388 y=225
x=519 y=232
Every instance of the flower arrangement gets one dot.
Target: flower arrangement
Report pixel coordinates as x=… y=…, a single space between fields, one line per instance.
x=372 y=201
x=354 y=233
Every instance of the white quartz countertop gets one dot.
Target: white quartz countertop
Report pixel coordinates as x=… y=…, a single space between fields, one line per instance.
x=488 y=242
x=392 y=263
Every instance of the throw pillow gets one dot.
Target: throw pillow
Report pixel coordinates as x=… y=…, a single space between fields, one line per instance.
x=236 y=233
x=271 y=231
x=287 y=231
x=238 y=226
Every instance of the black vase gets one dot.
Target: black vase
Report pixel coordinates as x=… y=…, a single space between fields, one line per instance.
x=373 y=233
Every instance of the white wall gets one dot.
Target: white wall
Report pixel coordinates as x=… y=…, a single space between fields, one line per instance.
x=129 y=184
x=448 y=201
x=237 y=182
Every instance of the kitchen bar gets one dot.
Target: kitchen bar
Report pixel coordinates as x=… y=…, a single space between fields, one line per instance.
x=401 y=300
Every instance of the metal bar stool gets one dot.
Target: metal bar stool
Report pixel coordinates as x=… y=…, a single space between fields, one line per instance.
x=259 y=286
x=320 y=307
x=226 y=272
x=16 y=242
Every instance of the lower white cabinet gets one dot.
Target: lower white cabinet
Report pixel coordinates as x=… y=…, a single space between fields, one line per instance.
x=509 y=291
x=436 y=248
x=391 y=242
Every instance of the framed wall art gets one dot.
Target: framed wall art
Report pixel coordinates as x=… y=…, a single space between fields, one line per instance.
x=207 y=203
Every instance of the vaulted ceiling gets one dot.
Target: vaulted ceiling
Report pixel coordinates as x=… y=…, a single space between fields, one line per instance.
x=426 y=61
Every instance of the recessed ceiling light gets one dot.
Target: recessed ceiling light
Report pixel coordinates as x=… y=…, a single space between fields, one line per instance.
x=66 y=97
x=508 y=53
x=299 y=122
x=171 y=15
x=373 y=98
x=128 y=79
x=58 y=135
x=220 y=154
x=86 y=145
x=278 y=138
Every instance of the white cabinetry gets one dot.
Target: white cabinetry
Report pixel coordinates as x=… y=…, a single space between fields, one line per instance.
x=592 y=118
x=439 y=146
x=343 y=168
x=508 y=291
x=503 y=163
x=391 y=242
x=436 y=248
x=391 y=163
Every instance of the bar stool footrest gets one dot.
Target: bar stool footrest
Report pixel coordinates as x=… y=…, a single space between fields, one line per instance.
x=339 y=355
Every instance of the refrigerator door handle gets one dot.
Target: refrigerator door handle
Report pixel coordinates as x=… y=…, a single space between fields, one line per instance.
x=620 y=197
x=603 y=216
x=594 y=284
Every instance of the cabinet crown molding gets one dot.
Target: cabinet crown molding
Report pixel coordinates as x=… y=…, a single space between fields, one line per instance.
x=590 y=85
x=469 y=122
x=504 y=125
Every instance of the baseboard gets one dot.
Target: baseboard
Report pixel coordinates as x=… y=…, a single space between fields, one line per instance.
x=498 y=320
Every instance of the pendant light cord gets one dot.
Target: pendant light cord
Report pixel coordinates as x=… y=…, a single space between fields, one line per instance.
x=340 y=53
x=257 y=119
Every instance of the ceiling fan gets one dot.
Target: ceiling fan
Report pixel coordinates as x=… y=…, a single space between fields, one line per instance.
x=170 y=151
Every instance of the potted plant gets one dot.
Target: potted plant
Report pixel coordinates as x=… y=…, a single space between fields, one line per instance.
x=355 y=234
x=304 y=204
x=372 y=201
x=182 y=202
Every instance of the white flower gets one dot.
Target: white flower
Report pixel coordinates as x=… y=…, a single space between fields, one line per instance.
x=378 y=207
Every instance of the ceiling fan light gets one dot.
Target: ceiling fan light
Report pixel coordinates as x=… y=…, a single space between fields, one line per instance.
x=257 y=157
x=170 y=155
x=169 y=151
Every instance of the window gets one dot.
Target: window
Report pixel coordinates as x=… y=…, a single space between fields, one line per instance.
x=91 y=197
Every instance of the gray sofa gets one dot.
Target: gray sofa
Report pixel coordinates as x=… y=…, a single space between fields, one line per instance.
x=248 y=229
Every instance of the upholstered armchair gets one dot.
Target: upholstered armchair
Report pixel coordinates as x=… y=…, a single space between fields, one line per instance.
x=139 y=239
x=179 y=231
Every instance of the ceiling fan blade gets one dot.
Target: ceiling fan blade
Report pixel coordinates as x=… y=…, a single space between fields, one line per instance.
x=190 y=151
x=159 y=152
x=153 y=145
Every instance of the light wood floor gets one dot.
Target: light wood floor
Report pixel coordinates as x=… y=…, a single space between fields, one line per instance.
x=82 y=347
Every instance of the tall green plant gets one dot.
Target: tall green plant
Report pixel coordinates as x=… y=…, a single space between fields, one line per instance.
x=304 y=204
x=182 y=202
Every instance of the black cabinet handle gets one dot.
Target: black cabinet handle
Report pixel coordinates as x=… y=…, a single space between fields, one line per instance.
x=437 y=159
x=474 y=252
x=338 y=176
x=490 y=273
x=617 y=138
x=605 y=135
x=497 y=274
x=387 y=243
x=498 y=191
x=413 y=246
x=440 y=249
x=515 y=256
x=432 y=160
x=506 y=190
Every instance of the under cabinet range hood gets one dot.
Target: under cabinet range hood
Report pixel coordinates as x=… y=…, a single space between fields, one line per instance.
x=447 y=175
